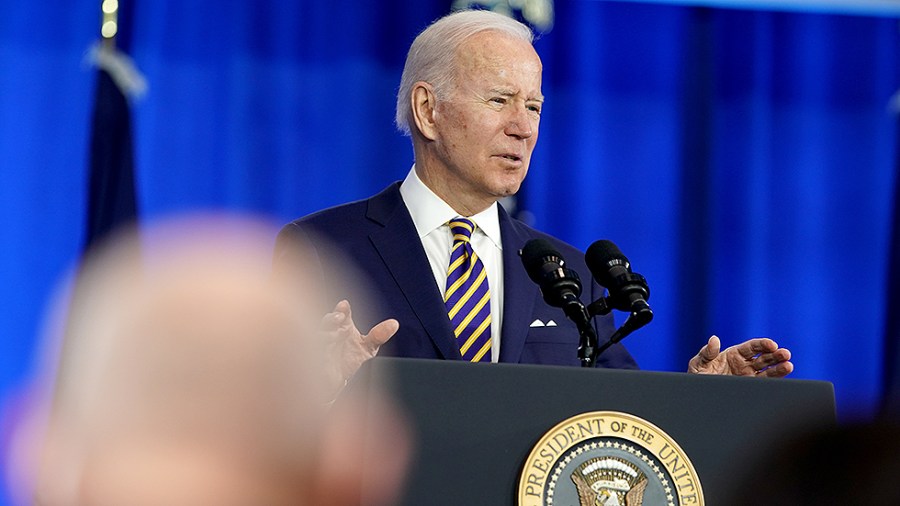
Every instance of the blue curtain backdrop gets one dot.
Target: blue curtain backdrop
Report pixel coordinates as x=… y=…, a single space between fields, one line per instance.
x=744 y=160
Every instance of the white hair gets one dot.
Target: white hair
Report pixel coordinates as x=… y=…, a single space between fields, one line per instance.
x=432 y=56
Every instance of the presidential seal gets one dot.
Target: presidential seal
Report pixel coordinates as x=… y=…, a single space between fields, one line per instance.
x=608 y=458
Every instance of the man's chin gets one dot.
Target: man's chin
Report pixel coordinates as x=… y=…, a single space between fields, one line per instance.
x=507 y=191
x=509 y=186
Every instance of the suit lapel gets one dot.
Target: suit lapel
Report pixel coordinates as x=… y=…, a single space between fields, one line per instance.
x=518 y=291
x=398 y=245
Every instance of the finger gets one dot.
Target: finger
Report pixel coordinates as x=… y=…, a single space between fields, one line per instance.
x=331 y=322
x=337 y=317
x=382 y=332
x=711 y=350
x=753 y=347
x=768 y=359
x=778 y=371
x=343 y=307
x=344 y=317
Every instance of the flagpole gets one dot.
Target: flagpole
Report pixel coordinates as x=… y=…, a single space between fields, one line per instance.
x=109 y=25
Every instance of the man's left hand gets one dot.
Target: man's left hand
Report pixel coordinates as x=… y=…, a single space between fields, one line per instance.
x=756 y=357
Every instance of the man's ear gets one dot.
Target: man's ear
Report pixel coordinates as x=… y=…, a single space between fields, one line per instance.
x=423 y=102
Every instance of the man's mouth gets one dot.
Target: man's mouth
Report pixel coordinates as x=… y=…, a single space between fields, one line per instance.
x=514 y=158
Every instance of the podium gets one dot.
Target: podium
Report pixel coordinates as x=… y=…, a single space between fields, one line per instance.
x=476 y=425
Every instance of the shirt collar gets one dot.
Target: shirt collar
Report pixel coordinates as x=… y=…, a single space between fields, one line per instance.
x=429 y=212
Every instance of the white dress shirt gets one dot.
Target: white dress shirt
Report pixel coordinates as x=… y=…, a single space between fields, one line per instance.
x=430 y=215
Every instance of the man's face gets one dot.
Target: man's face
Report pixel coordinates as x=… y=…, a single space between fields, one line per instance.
x=487 y=125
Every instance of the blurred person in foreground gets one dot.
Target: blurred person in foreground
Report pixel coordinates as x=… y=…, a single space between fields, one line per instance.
x=440 y=248
x=187 y=376
x=853 y=464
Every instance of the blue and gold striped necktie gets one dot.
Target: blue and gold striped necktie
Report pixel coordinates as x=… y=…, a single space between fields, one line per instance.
x=468 y=297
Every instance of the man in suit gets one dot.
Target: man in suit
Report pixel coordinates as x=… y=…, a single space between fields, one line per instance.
x=441 y=253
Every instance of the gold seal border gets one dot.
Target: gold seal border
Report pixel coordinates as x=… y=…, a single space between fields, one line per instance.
x=644 y=456
x=556 y=442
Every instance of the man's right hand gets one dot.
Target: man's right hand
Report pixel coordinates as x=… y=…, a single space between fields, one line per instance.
x=351 y=347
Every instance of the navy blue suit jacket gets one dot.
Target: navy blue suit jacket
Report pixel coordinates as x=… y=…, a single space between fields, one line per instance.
x=379 y=236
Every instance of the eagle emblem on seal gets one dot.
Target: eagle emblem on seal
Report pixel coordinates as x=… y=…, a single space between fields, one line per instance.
x=609 y=481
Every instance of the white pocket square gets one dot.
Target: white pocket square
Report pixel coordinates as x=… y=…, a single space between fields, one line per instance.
x=539 y=323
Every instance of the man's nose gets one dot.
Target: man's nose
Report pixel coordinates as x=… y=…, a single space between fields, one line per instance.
x=519 y=124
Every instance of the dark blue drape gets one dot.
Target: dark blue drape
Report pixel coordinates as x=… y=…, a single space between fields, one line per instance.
x=743 y=160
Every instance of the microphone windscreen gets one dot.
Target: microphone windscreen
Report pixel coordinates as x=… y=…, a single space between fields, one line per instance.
x=599 y=256
x=534 y=256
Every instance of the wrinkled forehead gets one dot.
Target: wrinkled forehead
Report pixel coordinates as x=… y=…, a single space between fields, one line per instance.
x=496 y=52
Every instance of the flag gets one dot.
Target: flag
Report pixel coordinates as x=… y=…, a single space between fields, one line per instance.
x=111 y=184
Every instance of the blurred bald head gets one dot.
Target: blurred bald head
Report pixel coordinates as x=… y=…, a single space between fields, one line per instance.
x=189 y=376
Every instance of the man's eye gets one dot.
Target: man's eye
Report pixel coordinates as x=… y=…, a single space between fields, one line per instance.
x=498 y=100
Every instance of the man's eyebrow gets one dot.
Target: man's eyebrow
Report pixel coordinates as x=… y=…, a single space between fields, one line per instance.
x=503 y=91
x=510 y=92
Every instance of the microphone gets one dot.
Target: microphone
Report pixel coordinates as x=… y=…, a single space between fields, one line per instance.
x=545 y=266
x=560 y=287
x=628 y=291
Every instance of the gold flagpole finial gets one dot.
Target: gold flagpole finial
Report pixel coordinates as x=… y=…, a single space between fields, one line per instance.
x=110 y=24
